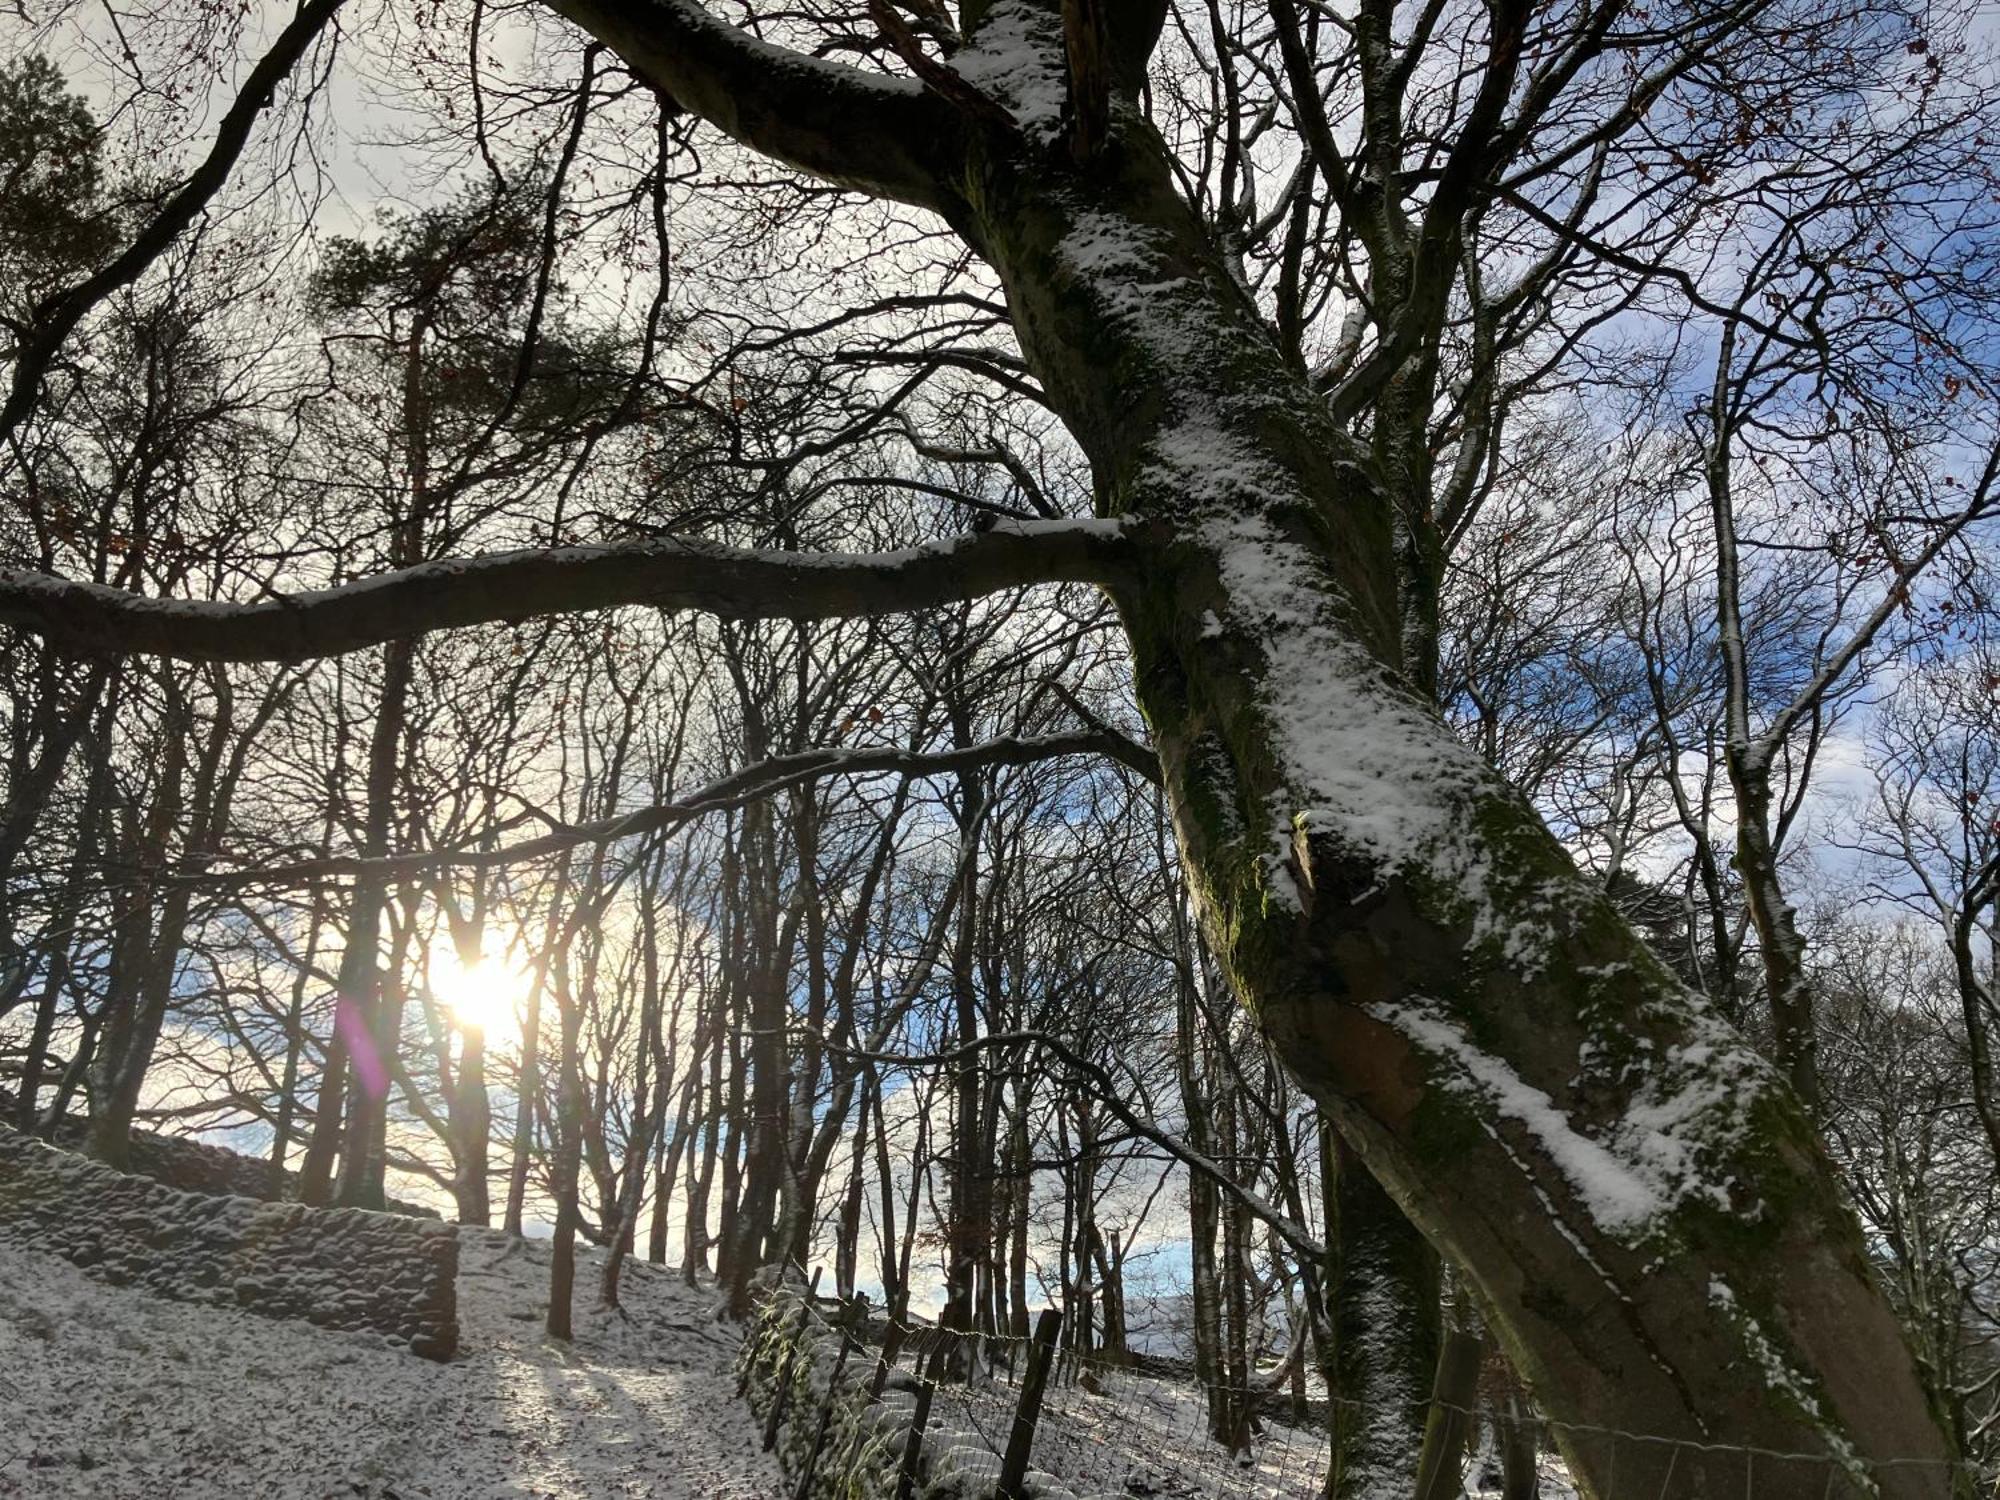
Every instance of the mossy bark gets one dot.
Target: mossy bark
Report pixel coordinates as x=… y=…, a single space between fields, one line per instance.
x=1638 y=1197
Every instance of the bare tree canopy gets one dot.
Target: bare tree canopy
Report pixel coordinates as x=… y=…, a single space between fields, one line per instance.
x=1385 y=512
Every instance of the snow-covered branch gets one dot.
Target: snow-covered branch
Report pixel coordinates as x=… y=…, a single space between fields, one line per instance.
x=734 y=583
x=883 y=135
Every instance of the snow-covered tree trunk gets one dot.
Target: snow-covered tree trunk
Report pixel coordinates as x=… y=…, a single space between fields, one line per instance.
x=1638 y=1197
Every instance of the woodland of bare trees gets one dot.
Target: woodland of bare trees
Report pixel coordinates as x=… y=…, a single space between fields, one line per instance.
x=1290 y=675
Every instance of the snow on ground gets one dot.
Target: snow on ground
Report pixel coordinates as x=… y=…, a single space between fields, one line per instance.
x=110 y=1393
x=1138 y=1434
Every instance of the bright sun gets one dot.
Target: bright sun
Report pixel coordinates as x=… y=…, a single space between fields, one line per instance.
x=485 y=995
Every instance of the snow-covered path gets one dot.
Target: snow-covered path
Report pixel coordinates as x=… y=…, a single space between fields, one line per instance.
x=108 y=1393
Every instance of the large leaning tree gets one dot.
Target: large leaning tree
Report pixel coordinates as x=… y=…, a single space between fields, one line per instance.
x=1640 y=1201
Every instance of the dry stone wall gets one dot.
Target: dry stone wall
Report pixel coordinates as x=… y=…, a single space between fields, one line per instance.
x=338 y=1268
x=190 y=1165
x=863 y=1455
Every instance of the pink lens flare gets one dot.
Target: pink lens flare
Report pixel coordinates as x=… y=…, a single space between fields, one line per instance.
x=352 y=1028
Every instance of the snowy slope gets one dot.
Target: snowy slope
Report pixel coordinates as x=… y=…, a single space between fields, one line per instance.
x=108 y=1393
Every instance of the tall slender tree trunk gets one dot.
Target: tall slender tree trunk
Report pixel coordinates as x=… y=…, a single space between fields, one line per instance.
x=358 y=998
x=672 y=1148
x=563 y=1179
x=967 y=1233
x=895 y=1288
x=60 y=959
x=316 y=1168
x=1111 y=1281
x=728 y=1210
x=1385 y=1333
x=145 y=952
x=765 y=1134
x=1748 y=761
x=847 y=1236
x=1020 y=1169
x=1782 y=948
x=624 y=1220
x=1238 y=1353
x=1976 y=1000
x=32 y=780
x=528 y=1078
x=528 y=1090
x=472 y=1127
x=695 y=1237
x=1203 y=1200
x=375 y=1039
x=295 y=1034
x=649 y=1105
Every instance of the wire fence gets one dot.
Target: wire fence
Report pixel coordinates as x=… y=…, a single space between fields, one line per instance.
x=1104 y=1428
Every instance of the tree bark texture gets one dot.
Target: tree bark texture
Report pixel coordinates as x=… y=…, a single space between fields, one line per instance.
x=1637 y=1196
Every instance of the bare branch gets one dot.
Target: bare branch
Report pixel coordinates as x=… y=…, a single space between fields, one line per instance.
x=766 y=777
x=59 y=314
x=1105 y=1089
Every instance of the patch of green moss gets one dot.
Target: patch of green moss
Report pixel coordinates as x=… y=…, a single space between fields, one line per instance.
x=1444 y=1126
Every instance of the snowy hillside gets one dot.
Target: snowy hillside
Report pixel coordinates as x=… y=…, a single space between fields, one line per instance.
x=109 y=1393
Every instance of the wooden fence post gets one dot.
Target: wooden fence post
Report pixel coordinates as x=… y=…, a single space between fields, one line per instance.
x=1021 y=1441
x=1452 y=1395
x=913 y=1445
x=783 y=1394
x=1518 y=1443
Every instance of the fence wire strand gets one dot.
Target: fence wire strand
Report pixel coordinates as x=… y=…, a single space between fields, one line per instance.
x=1111 y=1429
